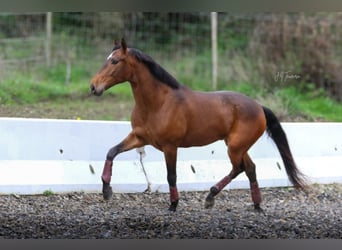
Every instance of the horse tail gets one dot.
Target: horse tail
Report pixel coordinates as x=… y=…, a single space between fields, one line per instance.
x=276 y=132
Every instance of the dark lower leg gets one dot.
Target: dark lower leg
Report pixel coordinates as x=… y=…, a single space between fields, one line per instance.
x=256 y=195
x=171 y=158
x=106 y=177
x=107 y=171
x=253 y=183
x=222 y=183
x=174 y=198
x=235 y=156
x=214 y=190
x=130 y=142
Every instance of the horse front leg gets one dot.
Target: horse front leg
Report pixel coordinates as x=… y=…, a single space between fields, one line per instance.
x=171 y=162
x=130 y=142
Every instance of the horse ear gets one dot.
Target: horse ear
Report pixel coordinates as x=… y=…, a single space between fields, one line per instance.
x=123 y=45
x=116 y=42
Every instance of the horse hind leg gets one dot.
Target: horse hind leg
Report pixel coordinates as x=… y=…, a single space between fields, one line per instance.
x=254 y=186
x=238 y=167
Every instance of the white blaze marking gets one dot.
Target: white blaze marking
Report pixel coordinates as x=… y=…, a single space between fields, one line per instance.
x=111 y=54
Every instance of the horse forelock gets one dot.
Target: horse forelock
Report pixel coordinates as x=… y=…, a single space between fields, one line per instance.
x=116 y=47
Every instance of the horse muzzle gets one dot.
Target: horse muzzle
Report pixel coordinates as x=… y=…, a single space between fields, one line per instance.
x=96 y=91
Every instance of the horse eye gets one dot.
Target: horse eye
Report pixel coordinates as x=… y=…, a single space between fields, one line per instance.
x=114 y=61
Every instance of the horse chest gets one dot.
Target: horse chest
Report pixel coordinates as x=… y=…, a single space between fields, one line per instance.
x=158 y=133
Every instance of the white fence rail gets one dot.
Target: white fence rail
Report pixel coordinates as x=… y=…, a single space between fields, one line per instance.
x=45 y=154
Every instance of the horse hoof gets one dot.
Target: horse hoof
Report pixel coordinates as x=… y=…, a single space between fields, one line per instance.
x=173 y=206
x=209 y=202
x=258 y=208
x=107 y=192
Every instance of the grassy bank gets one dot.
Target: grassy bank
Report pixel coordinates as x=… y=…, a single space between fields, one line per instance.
x=51 y=95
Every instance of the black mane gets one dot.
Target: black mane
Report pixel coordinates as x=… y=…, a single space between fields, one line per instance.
x=156 y=70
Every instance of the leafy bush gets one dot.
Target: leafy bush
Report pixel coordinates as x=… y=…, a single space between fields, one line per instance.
x=303 y=45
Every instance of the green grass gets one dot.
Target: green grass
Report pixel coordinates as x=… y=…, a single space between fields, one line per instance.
x=312 y=103
x=48 y=193
x=23 y=90
x=49 y=88
x=50 y=85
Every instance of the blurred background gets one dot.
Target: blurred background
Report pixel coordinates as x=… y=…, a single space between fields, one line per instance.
x=290 y=62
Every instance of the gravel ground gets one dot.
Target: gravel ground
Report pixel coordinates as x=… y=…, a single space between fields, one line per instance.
x=287 y=214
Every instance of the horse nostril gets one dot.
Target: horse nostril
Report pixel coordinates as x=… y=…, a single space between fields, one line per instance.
x=92 y=88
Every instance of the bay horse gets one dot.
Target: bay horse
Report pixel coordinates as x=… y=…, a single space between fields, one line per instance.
x=168 y=115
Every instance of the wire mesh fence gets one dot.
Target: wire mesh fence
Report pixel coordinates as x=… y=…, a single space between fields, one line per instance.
x=252 y=48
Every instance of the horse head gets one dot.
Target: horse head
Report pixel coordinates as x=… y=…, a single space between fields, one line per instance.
x=115 y=70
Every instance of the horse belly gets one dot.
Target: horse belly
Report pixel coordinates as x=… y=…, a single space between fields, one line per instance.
x=204 y=135
x=207 y=122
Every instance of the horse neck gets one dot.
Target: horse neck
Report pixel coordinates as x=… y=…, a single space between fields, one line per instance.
x=148 y=92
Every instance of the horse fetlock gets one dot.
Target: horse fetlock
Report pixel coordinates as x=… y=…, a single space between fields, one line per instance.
x=209 y=201
x=214 y=191
x=255 y=193
x=173 y=206
x=257 y=208
x=107 y=191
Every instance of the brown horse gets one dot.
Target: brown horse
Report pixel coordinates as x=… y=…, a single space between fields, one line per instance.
x=168 y=115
